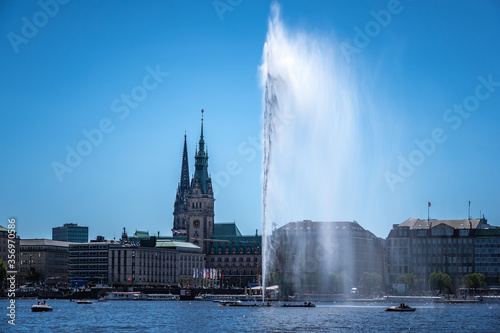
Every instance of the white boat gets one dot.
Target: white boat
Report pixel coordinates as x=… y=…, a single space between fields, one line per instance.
x=126 y=296
x=41 y=308
x=162 y=297
x=84 y=301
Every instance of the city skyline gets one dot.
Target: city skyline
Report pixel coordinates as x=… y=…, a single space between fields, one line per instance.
x=131 y=79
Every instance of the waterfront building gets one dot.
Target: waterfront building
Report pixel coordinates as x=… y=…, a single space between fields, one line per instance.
x=4 y=248
x=48 y=257
x=71 y=232
x=151 y=262
x=325 y=257
x=236 y=256
x=447 y=246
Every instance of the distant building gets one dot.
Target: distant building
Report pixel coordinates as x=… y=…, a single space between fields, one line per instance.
x=325 y=257
x=4 y=249
x=71 y=232
x=237 y=257
x=152 y=263
x=47 y=257
x=454 y=247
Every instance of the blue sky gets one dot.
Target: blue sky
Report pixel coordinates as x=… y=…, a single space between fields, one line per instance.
x=73 y=72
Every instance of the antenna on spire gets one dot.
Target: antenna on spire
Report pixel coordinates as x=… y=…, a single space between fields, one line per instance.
x=202 y=114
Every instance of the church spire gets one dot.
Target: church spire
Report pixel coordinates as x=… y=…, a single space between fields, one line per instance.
x=184 y=184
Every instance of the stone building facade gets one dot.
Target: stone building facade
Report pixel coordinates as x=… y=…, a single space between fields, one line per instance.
x=454 y=247
x=48 y=257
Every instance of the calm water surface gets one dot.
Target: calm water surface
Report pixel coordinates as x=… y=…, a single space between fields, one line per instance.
x=176 y=316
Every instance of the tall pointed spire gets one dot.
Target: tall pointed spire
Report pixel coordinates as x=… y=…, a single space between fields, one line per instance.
x=184 y=184
x=180 y=205
x=202 y=141
x=201 y=162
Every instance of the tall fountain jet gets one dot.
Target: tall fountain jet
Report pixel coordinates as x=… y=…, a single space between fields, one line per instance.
x=310 y=136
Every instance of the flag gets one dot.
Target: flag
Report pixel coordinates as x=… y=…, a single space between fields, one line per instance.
x=194 y=273
x=469 y=203
x=274 y=224
x=429 y=203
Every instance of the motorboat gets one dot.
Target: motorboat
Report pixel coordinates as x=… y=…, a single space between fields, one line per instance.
x=299 y=305
x=401 y=308
x=84 y=301
x=162 y=297
x=41 y=308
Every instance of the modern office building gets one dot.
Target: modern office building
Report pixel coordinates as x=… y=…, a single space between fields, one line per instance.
x=325 y=257
x=48 y=257
x=454 y=247
x=71 y=232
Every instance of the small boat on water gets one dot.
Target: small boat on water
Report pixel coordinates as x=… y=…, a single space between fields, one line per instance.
x=84 y=301
x=305 y=305
x=41 y=308
x=401 y=308
x=102 y=299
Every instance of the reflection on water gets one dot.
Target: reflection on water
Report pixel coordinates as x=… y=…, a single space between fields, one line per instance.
x=180 y=316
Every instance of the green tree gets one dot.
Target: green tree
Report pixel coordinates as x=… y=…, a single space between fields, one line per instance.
x=439 y=281
x=474 y=280
x=371 y=282
x=33 y=275
x=408 y=279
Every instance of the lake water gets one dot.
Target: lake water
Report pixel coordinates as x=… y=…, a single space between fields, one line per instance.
x=184 y=316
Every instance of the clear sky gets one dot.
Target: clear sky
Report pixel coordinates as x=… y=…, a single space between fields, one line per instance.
x=133 y=76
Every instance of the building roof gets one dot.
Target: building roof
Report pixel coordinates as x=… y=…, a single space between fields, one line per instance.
x=185 y=245
x=415 y=223
x=3 y=229
x=44 y=242
x=226 y=230
x=141 y=234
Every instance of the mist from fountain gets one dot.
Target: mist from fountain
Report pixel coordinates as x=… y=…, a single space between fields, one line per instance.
x=310 y=133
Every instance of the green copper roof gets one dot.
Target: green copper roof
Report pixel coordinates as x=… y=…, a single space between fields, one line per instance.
x=3 y=229
x=141 y=234
x=226 y=230
x=177 y=244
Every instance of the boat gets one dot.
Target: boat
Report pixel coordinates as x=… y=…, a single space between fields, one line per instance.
x=83 y=301
x=230 y=303
x=305 y=305
x=403 y=308
x=162 y=297
x=102 y=299
x=41 y=308
x=126 y=296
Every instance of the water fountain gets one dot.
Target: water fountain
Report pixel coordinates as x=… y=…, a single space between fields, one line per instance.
x=310 y=136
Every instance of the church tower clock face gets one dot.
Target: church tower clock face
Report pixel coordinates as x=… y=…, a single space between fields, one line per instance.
x=196 y=223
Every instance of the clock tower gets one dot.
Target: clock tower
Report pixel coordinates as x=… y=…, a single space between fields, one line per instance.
x=200 y=200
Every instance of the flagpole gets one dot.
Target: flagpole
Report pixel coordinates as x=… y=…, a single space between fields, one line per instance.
x=469 y=209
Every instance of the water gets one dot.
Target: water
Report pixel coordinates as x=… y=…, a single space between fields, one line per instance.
x=183 y=316
x=311 y=141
